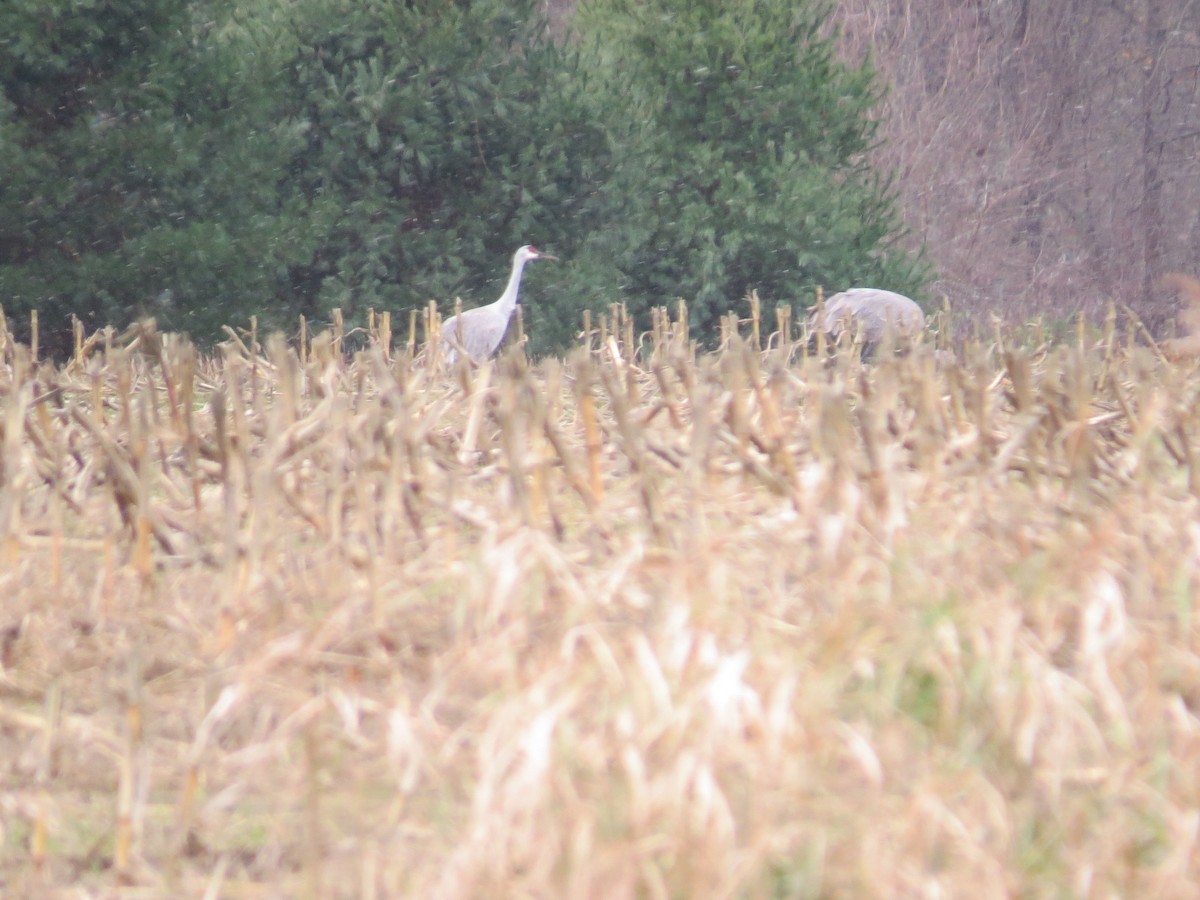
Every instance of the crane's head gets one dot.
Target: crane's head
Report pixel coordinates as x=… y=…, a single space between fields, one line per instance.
x=530 y=252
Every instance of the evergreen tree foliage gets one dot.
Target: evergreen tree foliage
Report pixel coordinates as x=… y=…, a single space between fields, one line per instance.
x=140 y=173
x=740 y=144
x=445 y=135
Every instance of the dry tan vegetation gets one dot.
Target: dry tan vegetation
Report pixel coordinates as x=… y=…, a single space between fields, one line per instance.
x=646 y=623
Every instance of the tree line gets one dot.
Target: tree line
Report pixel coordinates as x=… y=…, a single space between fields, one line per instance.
x=201 y=161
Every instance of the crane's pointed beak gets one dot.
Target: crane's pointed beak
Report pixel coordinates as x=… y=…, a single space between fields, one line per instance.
x=547 y=256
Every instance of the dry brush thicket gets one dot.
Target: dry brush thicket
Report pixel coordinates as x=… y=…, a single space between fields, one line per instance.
x=288 y=621
x=1046 y=150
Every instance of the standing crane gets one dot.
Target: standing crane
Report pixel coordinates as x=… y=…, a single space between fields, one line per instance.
x=869 y=311
x=479 y=331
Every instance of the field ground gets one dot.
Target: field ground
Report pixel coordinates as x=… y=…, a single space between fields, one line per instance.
x=654 y=624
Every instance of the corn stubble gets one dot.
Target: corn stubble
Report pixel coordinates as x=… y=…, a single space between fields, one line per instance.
x=642 y=623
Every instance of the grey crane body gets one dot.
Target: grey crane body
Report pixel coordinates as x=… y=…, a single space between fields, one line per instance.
x=869 y=312
x=479 y=331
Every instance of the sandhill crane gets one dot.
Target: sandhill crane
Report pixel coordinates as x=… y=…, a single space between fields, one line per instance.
x=868 y=311
x=479 y=331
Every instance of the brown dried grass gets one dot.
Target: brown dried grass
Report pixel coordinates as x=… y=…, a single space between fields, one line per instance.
x=640 y=623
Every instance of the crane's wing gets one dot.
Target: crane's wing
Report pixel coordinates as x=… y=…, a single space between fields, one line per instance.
x=478 y=331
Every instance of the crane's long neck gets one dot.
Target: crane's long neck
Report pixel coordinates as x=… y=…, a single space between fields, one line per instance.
x=508 y=300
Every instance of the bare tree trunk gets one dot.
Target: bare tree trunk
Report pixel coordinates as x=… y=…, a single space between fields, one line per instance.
x=1151 y=212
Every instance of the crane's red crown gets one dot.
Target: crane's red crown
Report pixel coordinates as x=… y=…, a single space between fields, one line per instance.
x=531 y=252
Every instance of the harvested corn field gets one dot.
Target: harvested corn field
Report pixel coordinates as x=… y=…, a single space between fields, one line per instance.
x=294 y=621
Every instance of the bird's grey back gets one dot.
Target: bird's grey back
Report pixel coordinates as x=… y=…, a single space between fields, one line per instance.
x=869 y=310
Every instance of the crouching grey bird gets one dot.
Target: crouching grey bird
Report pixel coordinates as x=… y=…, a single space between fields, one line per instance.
x=869 y=312
x=479 y=331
